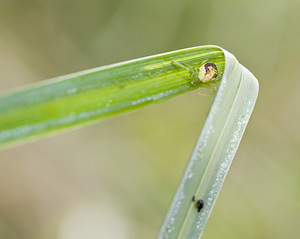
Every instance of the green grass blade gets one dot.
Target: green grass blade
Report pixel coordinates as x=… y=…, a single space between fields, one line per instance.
x=76 y=99
x=213 y=153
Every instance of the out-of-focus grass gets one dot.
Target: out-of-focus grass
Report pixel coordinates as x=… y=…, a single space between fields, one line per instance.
x=43 y=185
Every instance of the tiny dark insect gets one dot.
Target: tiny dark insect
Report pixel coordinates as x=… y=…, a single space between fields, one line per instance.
x=200 y=204
x=193 y=198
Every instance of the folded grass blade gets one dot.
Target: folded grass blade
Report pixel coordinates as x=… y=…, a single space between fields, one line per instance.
x=213 y=153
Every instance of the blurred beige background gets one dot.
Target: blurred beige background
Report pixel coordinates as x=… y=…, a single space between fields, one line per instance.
x=115 y=179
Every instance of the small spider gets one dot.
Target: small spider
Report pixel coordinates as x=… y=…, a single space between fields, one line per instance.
x=202 y=76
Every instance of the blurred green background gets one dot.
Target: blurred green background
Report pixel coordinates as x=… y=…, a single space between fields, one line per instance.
x=116 y=179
